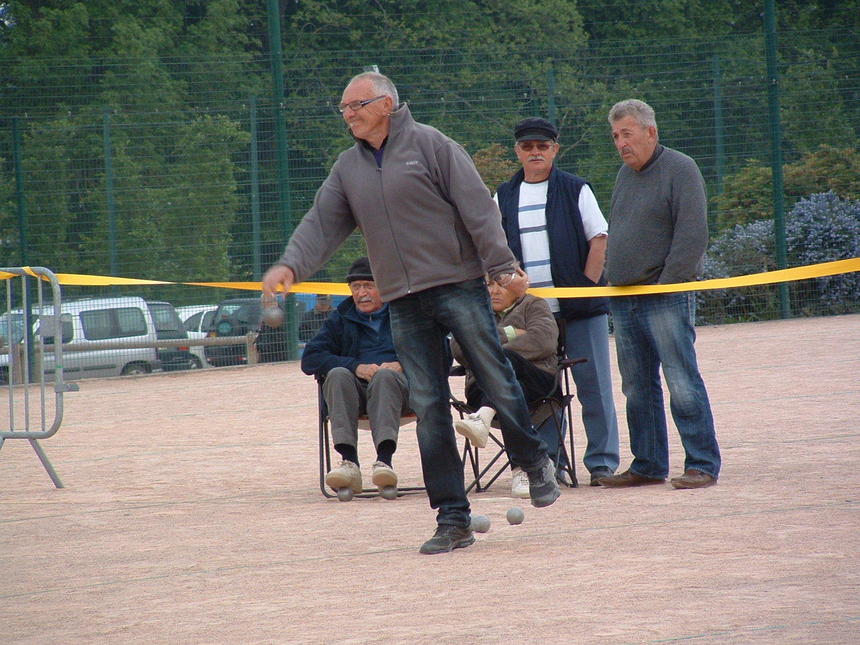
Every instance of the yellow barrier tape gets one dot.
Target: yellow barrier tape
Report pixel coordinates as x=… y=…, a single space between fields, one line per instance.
x=340 y=289
x=769 y=277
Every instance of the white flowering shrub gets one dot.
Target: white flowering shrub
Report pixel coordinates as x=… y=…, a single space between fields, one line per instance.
x=820 y=228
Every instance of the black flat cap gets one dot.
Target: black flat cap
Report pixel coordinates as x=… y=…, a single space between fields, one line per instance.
x=535 y=129
x=360 y=270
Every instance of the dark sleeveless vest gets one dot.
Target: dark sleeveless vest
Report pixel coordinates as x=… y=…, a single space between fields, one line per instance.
x=568 y=248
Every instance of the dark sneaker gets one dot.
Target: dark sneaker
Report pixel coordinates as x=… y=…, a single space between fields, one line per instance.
x=563 y=478
x=629 y=478
x=447 y=538
x=543 y=488
x=599 y=473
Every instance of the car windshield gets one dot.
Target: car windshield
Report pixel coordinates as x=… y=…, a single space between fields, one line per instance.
x=165 y=317
x=243 y=312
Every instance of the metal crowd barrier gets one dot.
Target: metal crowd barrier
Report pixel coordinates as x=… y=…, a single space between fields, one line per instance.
x=34 y=414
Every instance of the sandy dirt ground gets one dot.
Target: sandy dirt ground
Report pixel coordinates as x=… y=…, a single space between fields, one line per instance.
x=191 y=513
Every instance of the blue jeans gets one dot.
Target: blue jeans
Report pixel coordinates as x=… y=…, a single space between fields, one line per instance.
x=589 y=338
x=420 y=324
x=651 y=331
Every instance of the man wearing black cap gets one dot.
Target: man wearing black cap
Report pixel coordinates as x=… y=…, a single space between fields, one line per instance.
x=354 y=352
x=556 y=230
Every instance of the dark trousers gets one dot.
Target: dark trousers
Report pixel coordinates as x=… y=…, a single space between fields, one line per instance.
x=535 y=382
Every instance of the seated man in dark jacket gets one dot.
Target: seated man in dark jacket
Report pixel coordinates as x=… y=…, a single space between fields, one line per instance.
x=354 y=351
x=529 y=335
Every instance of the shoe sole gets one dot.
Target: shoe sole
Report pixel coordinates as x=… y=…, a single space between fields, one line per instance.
x=688 y=486
x=383 y=479
x=466 y=431
x=337 y=482
x=603 y=481
x=546 y=500
x=460 y=544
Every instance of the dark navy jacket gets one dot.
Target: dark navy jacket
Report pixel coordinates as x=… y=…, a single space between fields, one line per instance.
x=568 y=248
x=347 y=339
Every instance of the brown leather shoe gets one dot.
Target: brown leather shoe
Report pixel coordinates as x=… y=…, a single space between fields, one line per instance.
x=693 y=479
x=628 y=478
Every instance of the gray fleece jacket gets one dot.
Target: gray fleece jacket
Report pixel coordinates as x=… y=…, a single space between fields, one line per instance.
x=425 y=214
x=658 y=222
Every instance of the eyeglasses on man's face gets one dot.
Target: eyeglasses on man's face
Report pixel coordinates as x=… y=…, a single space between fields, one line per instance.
x=357 y=287
x=357 y=105
x=527 y=146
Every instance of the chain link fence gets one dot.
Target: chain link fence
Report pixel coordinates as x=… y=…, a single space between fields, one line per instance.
x=174 y=169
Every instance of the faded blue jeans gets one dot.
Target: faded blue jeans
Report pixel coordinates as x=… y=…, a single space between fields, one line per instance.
x=589 y=338
x=420 y=324
x=653 y=331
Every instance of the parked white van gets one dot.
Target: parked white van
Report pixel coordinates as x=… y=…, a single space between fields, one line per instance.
x=96 y=321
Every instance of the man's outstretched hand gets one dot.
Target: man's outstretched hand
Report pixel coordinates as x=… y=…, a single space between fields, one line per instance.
x=277 y=275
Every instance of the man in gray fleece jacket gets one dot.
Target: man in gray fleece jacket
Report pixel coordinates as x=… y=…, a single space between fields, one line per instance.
x=432 y=231
x=658 y=233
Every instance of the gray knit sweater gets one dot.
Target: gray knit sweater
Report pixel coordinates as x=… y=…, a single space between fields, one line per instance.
x=658 y=223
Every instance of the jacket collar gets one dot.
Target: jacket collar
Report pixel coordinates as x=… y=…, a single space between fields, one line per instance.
x=401 y=119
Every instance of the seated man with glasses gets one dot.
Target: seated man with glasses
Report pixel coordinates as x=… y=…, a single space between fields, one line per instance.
x=529 y=336
x=354 y=351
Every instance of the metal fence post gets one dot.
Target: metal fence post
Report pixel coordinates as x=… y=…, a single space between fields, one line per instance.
x=277 y=64
x=109 y=192
x=255 y=191
x=776 y=153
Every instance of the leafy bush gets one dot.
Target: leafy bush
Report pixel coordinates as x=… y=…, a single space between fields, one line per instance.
x=748 y=194
x=820 y=228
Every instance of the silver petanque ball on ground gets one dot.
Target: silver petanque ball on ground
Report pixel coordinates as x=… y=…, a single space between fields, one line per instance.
x=515 y=515
x=344 y=494
x=389 y=492
x=480 y=523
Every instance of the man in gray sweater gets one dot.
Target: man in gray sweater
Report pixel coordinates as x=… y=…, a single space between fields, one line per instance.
x=658 y=233
x=432 y=232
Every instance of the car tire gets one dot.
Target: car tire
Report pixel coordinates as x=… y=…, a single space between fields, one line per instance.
x=135 y=369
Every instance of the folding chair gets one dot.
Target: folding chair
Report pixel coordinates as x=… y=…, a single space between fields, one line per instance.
x=554 y=408
x=325 y=447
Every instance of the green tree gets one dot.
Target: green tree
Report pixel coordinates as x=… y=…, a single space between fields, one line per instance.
x=176 y=155
x=494 y=165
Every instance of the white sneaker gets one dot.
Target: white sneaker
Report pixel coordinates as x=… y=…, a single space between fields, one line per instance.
x=383 y=475
x=474 y=429
x=346 y=475
x=520 y=483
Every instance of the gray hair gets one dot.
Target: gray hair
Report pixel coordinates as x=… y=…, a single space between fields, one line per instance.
x=381 y=83
x=639 y=110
